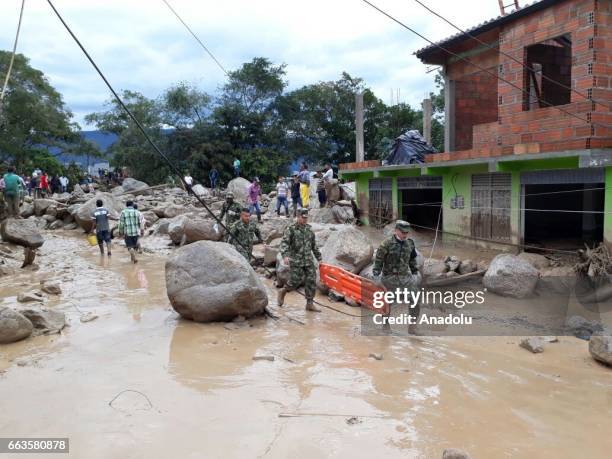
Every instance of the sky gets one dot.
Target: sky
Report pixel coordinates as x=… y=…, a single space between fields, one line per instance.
x=140 y=45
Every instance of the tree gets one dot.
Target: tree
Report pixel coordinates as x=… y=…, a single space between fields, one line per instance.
x=34 y=121
x=131 y=148
x=184 y=106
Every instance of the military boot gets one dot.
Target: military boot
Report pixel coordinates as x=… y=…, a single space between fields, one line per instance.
x=311 y=307
x=280 y=299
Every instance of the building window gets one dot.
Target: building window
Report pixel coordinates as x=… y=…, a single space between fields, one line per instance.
x=548 y=73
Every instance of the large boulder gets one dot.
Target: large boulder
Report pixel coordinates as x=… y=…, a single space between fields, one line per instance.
x=323 y=215
x=41 y=206
x=131 y=184
x=600 y=348
x=433 y=267
x=274 y=228
x=509 y=275
x=210 y=281
x=21 y=232
x=348 y=248
x=534 y=259
x=239 y=186
x=83 y=213
x=201 y=230
x=343 y=214
x=176 y=228
x=201 y=191
x=26 y=210
x=173 y=210
x=13 y=326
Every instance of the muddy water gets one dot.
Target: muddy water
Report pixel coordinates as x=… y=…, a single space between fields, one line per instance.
x=200 y=394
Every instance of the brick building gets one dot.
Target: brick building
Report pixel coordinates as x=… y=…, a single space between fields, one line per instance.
x=528 y=133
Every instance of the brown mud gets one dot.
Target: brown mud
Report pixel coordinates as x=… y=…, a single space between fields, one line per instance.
x=201 y=394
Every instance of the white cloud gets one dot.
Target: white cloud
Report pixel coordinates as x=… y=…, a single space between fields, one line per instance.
x=141 y=46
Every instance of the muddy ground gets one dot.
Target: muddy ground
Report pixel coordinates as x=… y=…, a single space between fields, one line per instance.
x=194 y=390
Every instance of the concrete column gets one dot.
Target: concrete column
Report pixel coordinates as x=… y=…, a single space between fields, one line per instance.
x=359 y=141
x=449 y=114
x=427 y=111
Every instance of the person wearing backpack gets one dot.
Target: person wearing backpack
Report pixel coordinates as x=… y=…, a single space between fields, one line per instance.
x=12 y=182
x=304 y=185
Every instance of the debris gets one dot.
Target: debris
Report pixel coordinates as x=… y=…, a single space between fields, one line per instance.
x=509 y=275
x=26 y=297
x=596 y=263
x=44 y=321
x=88 y=317
x=339 y=415
x=376 y=356
x=14 y=326
x=353 y=420
x=50 y=288
x=600 y=348
x=293 y=319
x=582 y=328
x=452 y=453
x=533 y=344
x=269 y=358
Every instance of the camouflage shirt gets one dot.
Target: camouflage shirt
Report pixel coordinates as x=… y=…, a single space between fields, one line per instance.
x=395 y=257
x=298 y=245
x=242 y=237
x=233 y=213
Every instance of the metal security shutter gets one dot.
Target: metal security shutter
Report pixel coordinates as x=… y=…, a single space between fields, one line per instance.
x=563 y=176
x=404 y=183
x=380 y=205
x=491 y=200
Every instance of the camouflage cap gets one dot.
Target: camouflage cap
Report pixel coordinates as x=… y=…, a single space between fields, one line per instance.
x=229 y=195
x=303 y=212
x=403 y=226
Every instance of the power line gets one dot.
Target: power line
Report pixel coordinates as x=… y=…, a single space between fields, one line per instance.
x=212 y=56
x=546 y=77
x=10 y=68
x=157 y=149
x=476 y=65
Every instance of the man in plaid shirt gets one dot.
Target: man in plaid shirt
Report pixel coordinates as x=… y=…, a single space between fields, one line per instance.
x=129 y=227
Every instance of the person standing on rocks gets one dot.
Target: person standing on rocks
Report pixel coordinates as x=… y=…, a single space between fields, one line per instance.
x=213 y=176
x=44 y=185
x=188 y=180
x=129 y=227
x=236 y=167
x=296 y=200
x=321 y=189
x=297 y=248
x=395 y=266
x=282 y=190
x=253 y=194
x=99 y=219
x=12 y=183
x=304 y=185
x=243 y=232
x=231 y=210
x=328 y=178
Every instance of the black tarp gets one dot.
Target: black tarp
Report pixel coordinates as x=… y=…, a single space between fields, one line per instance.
x=409 y=148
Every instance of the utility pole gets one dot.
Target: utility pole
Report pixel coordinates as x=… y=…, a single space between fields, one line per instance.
x=427 y=109
x=359 y=142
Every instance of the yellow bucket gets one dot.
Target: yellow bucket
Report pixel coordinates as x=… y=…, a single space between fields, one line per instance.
x=92 y=239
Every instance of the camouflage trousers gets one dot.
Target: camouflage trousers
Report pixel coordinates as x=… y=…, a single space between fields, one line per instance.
x=393 y=282
x=306 y=275
x=243 y=252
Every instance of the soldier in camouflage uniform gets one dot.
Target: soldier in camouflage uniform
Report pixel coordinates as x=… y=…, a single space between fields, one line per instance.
x=297 y=248
x=242 y=234
x=395 y=264
x=231 y=210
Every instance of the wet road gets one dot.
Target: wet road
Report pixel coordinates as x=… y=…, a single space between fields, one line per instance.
x=200 y=394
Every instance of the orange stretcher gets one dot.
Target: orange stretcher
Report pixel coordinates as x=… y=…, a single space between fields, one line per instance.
x=359 y=289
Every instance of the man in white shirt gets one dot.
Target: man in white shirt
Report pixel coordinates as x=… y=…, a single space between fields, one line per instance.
x=188 y=179
x=282 y=190
x=328 y=182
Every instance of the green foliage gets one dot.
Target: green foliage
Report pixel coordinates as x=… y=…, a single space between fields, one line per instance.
x=33 y=116
x=254 y=120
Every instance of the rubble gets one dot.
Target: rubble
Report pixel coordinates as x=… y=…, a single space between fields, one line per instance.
x=45 y=321
x=600 y=348
x=21 y=232
x=509 y=275
x=349 y=249
x=534 y=344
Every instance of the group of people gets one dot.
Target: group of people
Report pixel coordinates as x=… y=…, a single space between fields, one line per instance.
x=131 y=227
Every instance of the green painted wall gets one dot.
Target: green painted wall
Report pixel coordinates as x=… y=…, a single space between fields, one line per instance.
x=457 y=179
x=608 y=208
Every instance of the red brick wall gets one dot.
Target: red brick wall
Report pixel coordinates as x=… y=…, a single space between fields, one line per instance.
x=589 y=24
